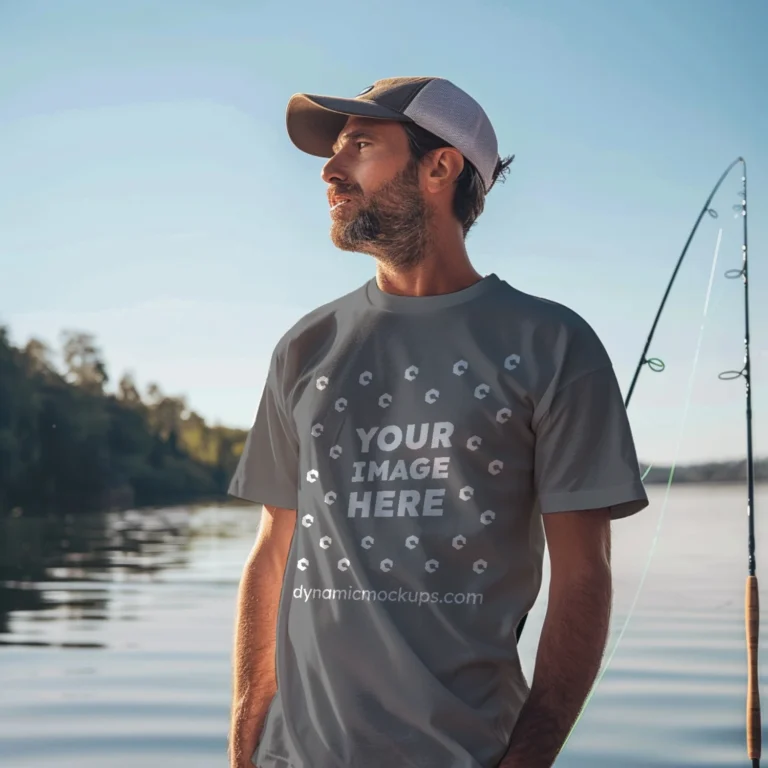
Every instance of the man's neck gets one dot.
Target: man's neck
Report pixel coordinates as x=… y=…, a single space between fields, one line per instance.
x=445 y=268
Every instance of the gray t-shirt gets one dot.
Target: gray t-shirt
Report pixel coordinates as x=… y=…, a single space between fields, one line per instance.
x=421 y=439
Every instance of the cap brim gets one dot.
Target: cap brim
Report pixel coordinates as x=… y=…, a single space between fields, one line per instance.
x=315 y=122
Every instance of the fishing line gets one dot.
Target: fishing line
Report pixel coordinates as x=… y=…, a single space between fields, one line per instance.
x=647 y=566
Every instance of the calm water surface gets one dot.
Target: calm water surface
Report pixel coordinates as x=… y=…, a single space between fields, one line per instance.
x=116 y=636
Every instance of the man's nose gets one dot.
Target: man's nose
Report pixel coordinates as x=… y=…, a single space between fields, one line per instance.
x=333 y=172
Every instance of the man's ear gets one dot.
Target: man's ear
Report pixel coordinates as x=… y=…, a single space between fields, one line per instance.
x=442 y=167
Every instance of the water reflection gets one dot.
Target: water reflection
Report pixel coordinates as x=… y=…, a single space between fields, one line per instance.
x=66 y=569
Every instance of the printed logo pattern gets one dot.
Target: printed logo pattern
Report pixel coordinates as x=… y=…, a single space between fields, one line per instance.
x=388 y=439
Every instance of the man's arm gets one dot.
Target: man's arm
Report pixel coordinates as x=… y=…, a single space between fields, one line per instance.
x=254 y=680
x=573 y=637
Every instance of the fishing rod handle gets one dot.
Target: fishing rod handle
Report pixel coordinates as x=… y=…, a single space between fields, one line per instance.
x=752 y=615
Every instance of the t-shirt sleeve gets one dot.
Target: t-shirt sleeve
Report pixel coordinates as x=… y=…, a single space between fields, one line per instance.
x=268 y=471
x=585 y=454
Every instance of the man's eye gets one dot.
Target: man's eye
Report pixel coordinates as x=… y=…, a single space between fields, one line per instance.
x=361 y=144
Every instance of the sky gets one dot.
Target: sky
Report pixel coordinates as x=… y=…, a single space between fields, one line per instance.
x=149 y=193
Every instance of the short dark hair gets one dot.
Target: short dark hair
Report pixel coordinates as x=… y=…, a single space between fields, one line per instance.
x=469 y=196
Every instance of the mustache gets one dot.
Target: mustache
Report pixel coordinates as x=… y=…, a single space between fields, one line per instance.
x=344 y=190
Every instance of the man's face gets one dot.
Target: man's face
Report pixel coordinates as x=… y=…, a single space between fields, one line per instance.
x=377 y=205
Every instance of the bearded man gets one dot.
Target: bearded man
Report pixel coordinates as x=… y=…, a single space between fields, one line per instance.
x=418 y=443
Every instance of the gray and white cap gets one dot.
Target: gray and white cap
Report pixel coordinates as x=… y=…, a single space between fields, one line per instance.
x=433 y=103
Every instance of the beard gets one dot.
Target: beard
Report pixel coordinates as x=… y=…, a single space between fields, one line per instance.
x=390 y=224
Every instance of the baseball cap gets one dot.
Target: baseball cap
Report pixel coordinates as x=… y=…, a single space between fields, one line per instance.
x=433 y=103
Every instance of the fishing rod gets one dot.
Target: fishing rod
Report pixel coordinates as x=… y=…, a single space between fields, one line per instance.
x=752 y=605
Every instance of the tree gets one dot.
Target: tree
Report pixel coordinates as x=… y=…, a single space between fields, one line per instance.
x=154 y=393
x=38 y=357
x=127 y=390
x=83 y=363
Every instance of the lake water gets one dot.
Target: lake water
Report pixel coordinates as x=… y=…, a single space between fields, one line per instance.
x=116 y=635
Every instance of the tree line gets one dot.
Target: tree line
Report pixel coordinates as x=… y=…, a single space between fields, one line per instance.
x=710 y=472
x=67 y=445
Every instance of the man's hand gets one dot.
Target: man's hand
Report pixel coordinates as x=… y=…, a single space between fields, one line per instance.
x=573 y=637
x=243 y=739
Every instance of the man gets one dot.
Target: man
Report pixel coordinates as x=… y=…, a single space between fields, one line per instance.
x=416 y=441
